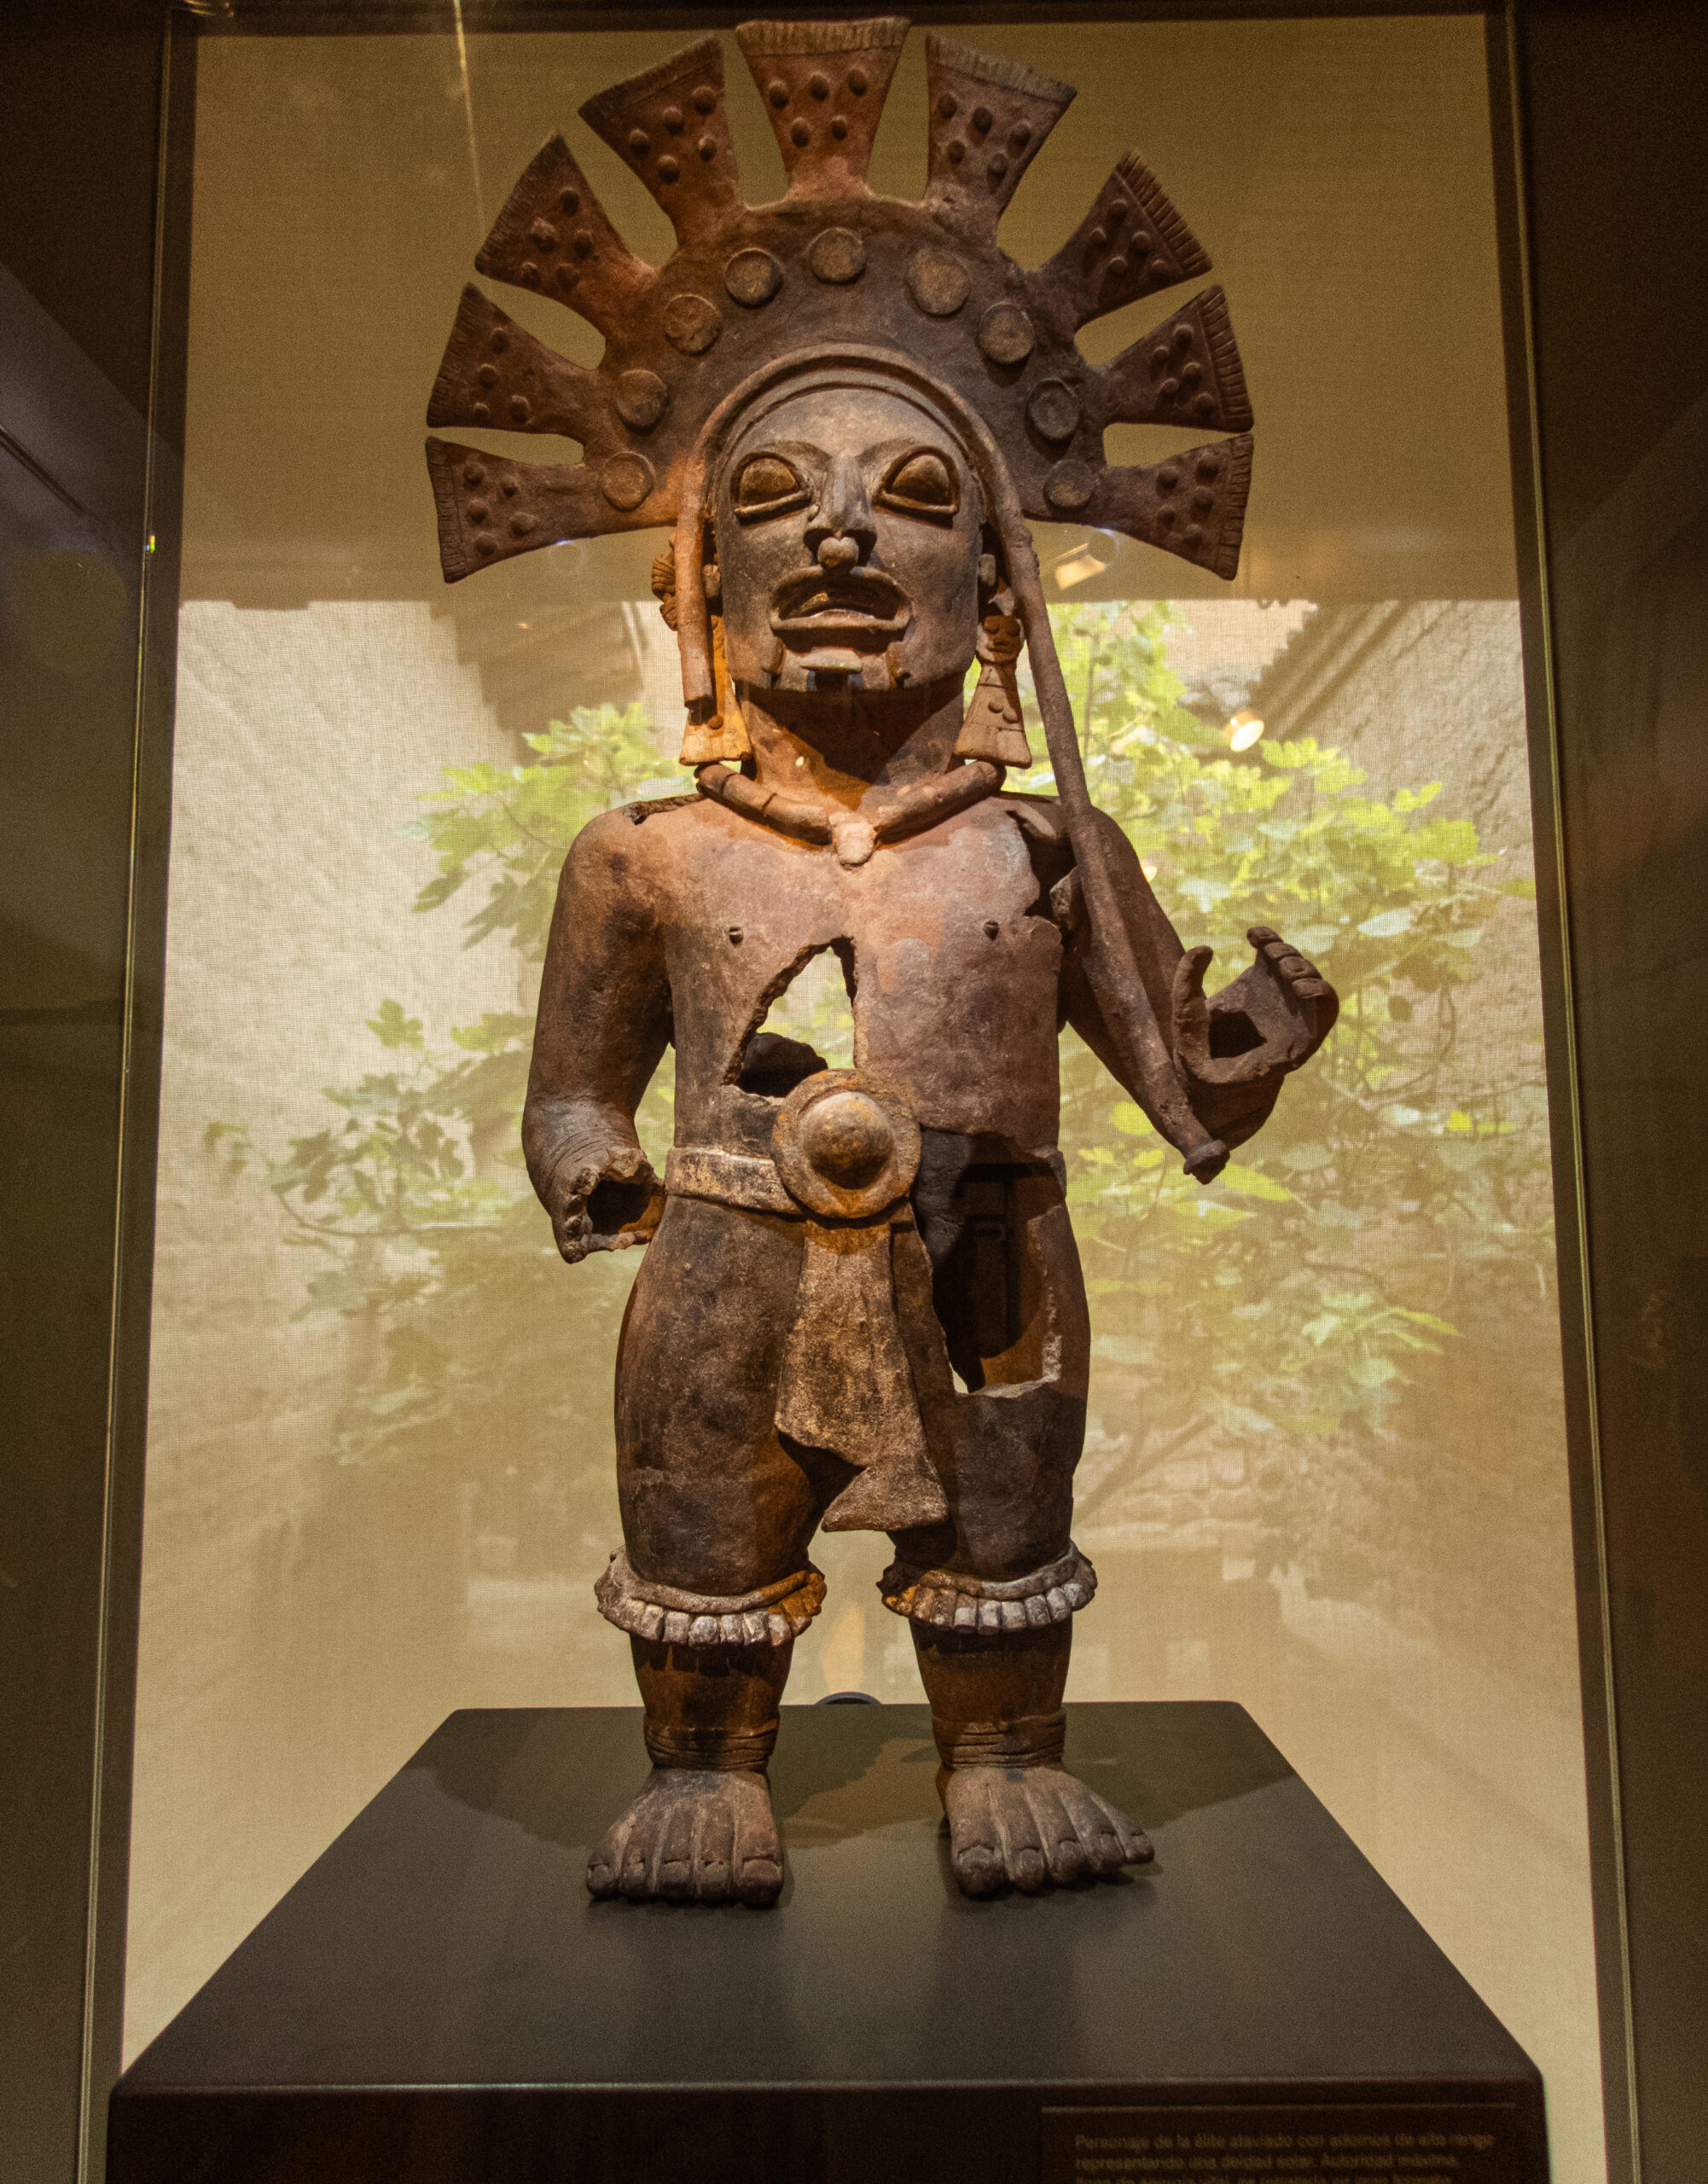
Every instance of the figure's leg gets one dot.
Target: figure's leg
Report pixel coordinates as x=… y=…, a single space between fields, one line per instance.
x=1015 y=1814
x=990 y=1594
x=701 y=1830
x=714 y=1584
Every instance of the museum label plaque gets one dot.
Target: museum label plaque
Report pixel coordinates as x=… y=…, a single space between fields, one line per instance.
x=1354 y=2143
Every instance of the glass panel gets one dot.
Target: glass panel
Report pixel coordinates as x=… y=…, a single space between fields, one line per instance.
x=1325 y=1472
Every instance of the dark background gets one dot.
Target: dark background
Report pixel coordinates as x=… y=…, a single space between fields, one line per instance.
x=1611 y=478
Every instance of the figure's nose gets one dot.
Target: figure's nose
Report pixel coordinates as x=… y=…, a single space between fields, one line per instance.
x=840 y=530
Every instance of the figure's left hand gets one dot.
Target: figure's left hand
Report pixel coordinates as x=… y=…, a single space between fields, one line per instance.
x=1269 y=1022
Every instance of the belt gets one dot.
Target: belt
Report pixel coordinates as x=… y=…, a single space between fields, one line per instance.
x=751 y=1180
x=846 y=1150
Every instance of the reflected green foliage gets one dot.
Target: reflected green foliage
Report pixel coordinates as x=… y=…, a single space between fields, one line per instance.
x=416 y=1204
x=511 y=826
x=1399 y=1197
x=1344 y=1240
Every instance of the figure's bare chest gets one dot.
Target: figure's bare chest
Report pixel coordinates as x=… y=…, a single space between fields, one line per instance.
x=952 y=963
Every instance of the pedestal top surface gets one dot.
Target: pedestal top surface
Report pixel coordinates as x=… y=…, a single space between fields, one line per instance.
x=446 y=1938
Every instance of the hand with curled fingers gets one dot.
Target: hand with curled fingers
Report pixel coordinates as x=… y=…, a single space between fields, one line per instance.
x=601 y=1198
x=1268 y=1022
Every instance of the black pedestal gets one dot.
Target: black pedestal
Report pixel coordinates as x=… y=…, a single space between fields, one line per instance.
x=439 y=2001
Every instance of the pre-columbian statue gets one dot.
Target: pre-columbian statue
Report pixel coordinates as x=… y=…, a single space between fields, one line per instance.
x=861 y=1306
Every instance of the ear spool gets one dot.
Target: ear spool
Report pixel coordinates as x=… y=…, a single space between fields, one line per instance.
x=554 y=237
x=824 y=86
x=669 y=126
x=1186 y=371
x=988 y=118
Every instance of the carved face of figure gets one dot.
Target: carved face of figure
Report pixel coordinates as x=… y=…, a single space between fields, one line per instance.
x=849 y=530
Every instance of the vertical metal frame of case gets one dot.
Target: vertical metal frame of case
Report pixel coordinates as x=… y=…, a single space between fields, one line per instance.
x=139 y=1100
x=1566 y=1119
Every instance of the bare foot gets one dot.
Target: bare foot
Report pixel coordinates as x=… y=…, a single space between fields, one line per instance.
x=1030 y=1825
x=692 y=1837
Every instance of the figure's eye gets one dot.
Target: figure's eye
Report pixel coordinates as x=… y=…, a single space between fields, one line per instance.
x=922 y=484
x=768 y=486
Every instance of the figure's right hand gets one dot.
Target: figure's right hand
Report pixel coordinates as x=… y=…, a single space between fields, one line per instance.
x=601 y=1204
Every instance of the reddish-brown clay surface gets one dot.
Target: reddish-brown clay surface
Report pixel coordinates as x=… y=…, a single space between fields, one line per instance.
x=861 y=1306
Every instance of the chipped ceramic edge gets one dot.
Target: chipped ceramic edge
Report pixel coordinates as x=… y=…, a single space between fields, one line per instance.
x=950 y=1601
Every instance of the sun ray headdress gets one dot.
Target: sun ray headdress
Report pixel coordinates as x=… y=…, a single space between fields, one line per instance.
x=857 y=278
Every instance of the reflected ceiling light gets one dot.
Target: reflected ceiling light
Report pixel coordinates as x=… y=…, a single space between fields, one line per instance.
x=1075 y=567
x=1243 y=731
x=1080 y=563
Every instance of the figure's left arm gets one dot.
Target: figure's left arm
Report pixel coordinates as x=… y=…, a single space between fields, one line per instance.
x=1234 y=1049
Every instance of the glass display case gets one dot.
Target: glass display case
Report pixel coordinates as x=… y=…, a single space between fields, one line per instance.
x=1338 y=1466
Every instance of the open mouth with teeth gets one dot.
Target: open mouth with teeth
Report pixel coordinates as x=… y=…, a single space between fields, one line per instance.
x=858 y=607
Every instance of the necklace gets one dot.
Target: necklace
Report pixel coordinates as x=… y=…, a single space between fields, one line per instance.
x=853 y=834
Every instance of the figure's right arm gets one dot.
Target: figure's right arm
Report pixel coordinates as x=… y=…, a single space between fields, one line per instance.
x=604 y=1022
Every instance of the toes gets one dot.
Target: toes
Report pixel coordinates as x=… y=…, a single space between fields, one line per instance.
x=1063 y=1851
x=975 y=1852
x=605 y=1866
x=645 y=1828
x=1136 y=1848
x=1022 y=1851
x=758 y=1881
x=978 y=1870
x=714 y=1833
x=675 y=1863
x=1108 y=1837
x=759 y=1855
x=693 y=1838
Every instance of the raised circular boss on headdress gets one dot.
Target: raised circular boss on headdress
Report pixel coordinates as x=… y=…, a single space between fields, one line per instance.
x=831 y=264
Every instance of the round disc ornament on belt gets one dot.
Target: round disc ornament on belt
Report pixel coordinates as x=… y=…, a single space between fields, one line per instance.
x=845 y=1145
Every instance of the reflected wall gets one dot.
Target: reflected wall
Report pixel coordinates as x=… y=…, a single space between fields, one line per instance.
x=1324 y=1474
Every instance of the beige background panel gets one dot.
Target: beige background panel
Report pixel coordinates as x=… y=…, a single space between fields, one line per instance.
x=1338 y=173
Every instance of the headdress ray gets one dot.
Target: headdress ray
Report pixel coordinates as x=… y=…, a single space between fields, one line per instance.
x=840 y=264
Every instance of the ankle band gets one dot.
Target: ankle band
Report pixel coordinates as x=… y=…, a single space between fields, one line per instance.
x=1033 y=1740
x=711 y=1751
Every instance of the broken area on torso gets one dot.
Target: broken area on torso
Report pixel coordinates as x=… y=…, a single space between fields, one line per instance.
x=930 y=975
x=936 y=966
